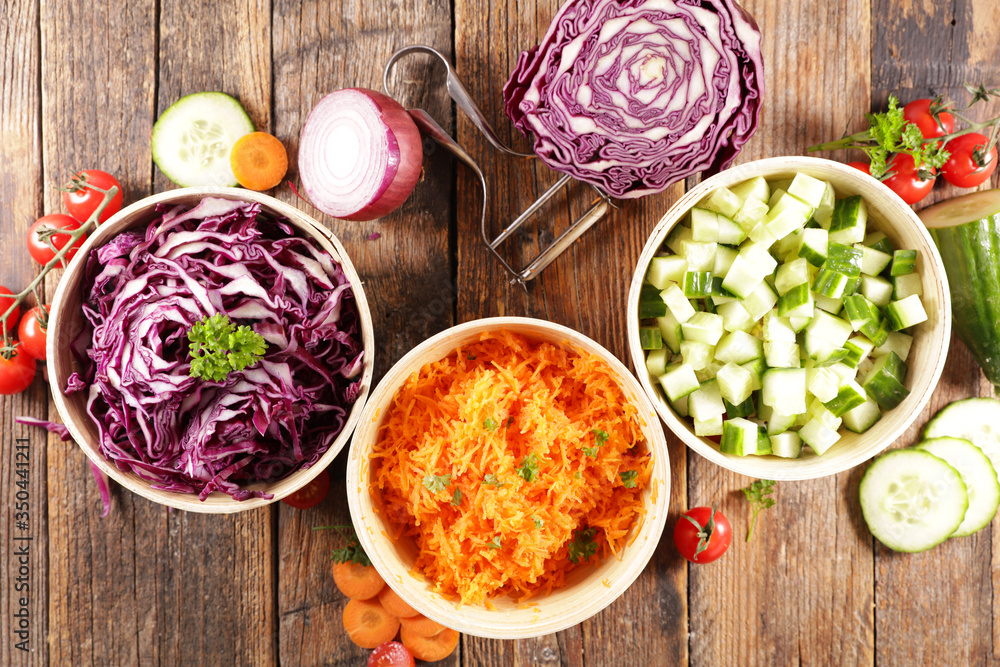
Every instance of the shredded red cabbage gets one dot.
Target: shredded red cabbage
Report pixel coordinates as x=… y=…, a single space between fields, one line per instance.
x=633 y=95
x=142 y=293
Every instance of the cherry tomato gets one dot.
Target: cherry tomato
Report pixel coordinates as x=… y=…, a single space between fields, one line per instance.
x=32 y=333
x=390 y=654
x=311 y=494
x=16 y=373
x=961 y=168
x=5 y=304
x=702 y=534
x=861 y=166
x=81 y=200
x=918 y=112
x=906 y=181
x=39 y=250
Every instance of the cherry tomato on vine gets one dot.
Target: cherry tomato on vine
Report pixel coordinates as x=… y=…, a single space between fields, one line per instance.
x=861 y=166
x=703 y=534
x=81 y=200
x=968 y=165
x=906 y=181
x=16 y=373
x=39 y=250
x=5 y=304
x=391 y=654
x=33 y=332
x=311 y=494
x=919 y=113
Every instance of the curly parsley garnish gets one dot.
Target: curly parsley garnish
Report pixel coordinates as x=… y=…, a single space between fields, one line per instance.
x=528 y=469
x=437 y=483
x=492 y=480
x=583 y=547
x=757 y=495
x=628 y=478
x=457 y=498
x=600 y=439
x=490 y=425
x=494 y=543
x=352 y=552
x=219 y=347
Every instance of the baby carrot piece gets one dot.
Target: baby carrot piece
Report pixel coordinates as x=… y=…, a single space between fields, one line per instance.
x=430 y=649
x=395 y=605
x=361 y=582
x=421 y=625
x=259 y=161
x=368 y=624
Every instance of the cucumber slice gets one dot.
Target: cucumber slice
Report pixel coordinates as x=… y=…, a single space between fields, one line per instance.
x=912 y=500
x=974 y=419
x=192 y=139
x=979 y=476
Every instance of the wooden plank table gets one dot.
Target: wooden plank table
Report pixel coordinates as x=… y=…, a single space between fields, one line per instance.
x=81 y=84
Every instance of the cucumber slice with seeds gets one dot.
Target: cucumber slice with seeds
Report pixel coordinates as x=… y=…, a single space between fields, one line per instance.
x=192 y=139
x=979 y=476
x=974 y=419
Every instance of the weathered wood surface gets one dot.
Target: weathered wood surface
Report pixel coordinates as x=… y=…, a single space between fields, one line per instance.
x=81 y=85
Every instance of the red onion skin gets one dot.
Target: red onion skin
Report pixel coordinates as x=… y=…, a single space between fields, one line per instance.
x=399 y=127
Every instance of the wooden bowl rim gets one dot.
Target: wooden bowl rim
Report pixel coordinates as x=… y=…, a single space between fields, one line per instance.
x=588 y=595
x=217 y=502
x=856 y=449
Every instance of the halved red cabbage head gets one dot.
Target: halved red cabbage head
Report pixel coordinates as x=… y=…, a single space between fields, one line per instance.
x=633 y=95
x=142 y=293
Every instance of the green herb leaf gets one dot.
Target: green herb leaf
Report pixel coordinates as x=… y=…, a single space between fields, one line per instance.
x=436 y=483
x=457 y=498
x=492 y=480
x=758 y=495
x=494 y=543
x=353 y=552
x=538 y=522
x=628 y=478
x=577 y=475
x=600 y=437
x=490 y=424
x=471 y=357
x=219 y=347
x=529 y=468
x=591 y=452
x=583 y=546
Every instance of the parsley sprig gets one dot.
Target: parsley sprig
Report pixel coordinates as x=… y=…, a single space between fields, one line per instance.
x=583 y=546
x=352 y=552
x=758 y=495
x=600 y=439
x=528 y=470
x=219 y=347
x=437 y=483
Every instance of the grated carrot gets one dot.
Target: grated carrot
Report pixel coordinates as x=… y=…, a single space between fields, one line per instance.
x=461 y=428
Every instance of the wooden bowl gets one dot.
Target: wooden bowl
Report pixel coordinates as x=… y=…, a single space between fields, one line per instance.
x=589 y=589
x=887 y=213
x=67 y=321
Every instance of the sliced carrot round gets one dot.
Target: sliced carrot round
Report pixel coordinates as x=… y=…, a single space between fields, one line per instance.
x=368 y=624
x=361 y=582
x=395 y=605
x=421 y=625
x=430 y=649
x=259 y=161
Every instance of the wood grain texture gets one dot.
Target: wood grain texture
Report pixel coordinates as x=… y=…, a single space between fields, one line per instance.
x=932 y=49
x=407 y=270
x=23 y=578
x=585 y=289
x=800 y=592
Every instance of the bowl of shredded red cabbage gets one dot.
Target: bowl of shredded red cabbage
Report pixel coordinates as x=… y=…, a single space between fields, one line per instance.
x=278 y=296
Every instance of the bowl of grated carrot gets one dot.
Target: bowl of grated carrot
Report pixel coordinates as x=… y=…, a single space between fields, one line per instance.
x=509 y=478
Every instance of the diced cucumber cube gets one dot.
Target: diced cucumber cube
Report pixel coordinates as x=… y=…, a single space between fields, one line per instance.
x=876 y=289
x=697 y=354
x=873 y=261
x=724 y=258
x=754 y=188
x=743 y=276
x=744 y=409
x=697 y=284
x=752 y=212
x=904 y=262
x=843 y=259
x=878 y=241
x=678 y=304
x=830 y=284
x=679 y=235
x=680 y=406
x=703 y=328
x=786 y=222
x=704 y=225
x=776 y=328
x=706 y=401
x=781 y=354
x=818 y=436
x=791 y=274
x=724 y=201
x=670 y=331
x=830 y=328
x=848 y=397
x=650 y=338
x=824 y=210
x=778 y=422
x=908 y=285
x=759 y=257
x=784 y=388
x=896 y=342
x=730 y=233
x=708 y=427
x=808 y=189
x=845 y=372
x=656 y=362
x=884 y=382
x=787 y=249
x=863 y=417
x=823 y=383
x=735 y=383
x=761 y=235
x=796 y=302
x=739 y=347
x=832 y=306
x=735 y=317
x=700 y=256
x=664 y=270
x=739 y=437
x=709 y=371
x=906 y=312
x=778 y=189
x=850 y=216
x=814 y=245
x=787 y=444
x=800 y=322
x=760 y=301
x=679 y=382
x=784 y=202
x=858 y=348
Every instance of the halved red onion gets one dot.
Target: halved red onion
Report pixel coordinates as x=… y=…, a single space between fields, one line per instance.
x=360 y=154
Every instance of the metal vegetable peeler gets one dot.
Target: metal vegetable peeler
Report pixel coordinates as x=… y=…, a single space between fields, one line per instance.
x=431 y=128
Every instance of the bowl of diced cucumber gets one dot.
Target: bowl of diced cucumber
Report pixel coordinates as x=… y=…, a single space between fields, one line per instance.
x=790 y=317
